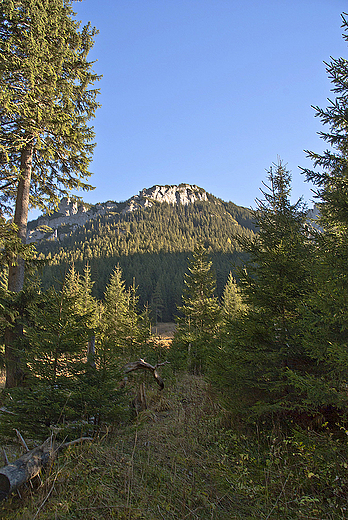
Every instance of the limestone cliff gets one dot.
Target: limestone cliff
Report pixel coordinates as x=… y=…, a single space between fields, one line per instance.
x=71 y=214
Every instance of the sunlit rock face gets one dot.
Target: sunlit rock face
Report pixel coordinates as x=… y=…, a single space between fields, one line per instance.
x=72 y=214
x=182 y=194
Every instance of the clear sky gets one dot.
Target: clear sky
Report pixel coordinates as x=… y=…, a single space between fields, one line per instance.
x=208 y=92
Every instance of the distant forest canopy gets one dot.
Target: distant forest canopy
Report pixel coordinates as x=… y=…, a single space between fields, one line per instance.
x=152 y=246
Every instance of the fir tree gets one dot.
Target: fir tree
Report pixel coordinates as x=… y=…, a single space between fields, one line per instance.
x=232 y=301
x=53 y=349
x=115 y=318
x=326 y=315
x=139 y=324
x=157 y=303
x=197 y=330
x=266 y=338
x=62 y=385
x=45 y=104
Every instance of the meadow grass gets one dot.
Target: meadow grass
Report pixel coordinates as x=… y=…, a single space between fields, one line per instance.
x=184 y=459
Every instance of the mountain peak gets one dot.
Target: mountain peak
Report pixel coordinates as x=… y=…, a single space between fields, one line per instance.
x=173 y=194
x=71 y=214
x=181 y=194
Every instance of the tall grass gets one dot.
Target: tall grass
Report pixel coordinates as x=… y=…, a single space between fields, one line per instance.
x=182 y=459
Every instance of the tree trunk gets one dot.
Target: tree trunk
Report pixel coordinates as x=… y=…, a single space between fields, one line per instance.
x=25 y=468
x=16 y=272
x=14 y=373
x=91 y=351
x=30 y=464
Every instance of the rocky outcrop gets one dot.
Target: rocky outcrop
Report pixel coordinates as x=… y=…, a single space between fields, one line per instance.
x=72 y=214
x=313 y=215
x=182 y=194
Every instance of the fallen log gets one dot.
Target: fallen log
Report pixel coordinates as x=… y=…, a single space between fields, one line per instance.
x=143 y=365
x=29 y=465
x=25 y=468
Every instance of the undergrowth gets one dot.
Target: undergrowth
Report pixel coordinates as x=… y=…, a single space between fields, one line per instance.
x=181 y=459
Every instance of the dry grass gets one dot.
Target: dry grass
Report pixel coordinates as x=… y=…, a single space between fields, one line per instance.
x=159 y=467
x=176 y=461
x=164 y=333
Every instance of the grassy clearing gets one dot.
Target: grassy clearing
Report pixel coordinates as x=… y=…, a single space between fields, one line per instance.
x=181 y=459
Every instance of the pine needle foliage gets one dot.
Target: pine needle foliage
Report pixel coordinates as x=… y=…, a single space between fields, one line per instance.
x=200 y=314
x=232 y=301
x=62 y=389
x=326 y=315
x=264 y=340
x=46 y=99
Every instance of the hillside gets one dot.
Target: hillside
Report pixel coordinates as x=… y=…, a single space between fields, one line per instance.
x=183 y=458
x=150 y=236
x=72 y=214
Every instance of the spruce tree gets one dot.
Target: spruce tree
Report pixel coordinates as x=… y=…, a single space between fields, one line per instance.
x=266 y=338
x=326 y=315
x=157 y=303
x=331 y=177
x=87 y=305
x=52 y=356
x=232 y=301
x=197 y=327
x=115 y=316
x=139 y=328
x=46 y=101
x=64 y=388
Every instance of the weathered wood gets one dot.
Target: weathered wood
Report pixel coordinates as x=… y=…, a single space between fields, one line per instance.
x=139 y=401
x=143 y=365
x=26 y=467
x=30 y=464
x=21 y=440
x=91 y=351
x=5 y=456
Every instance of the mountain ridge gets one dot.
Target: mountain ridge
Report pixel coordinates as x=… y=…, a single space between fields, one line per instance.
x=71 y=214
x=150 y=240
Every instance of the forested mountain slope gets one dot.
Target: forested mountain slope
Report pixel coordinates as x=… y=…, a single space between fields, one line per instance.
x=151 y=242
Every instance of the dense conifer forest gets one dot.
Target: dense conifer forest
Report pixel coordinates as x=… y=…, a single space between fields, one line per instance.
x=151 y=246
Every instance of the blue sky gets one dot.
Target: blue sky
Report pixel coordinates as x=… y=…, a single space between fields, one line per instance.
x=208 y=92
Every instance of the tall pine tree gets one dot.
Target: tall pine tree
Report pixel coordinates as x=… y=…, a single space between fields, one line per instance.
x=266 y=340
x=326 y=315
x=46 y=101
x=197 y=328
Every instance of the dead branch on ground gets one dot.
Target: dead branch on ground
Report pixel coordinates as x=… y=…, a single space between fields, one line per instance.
x=143 y=365
x=29 y=465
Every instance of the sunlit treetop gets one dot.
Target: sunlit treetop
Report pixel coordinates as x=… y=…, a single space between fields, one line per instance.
x=47 y=98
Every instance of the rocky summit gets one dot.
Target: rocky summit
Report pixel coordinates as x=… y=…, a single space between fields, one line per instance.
x=72 y=214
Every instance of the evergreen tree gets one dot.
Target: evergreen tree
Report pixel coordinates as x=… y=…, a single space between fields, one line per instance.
x=53 y=348
x=266 y=339
x=115 y=318
x=157 y=303
x=173 y=232
x=45 y=104
x=326 y=315
x=71 y=285
x=87 y=305
x=63 y=388
x=232 y=301
x=138 y=331
x=332 y=178
x=197 y=330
